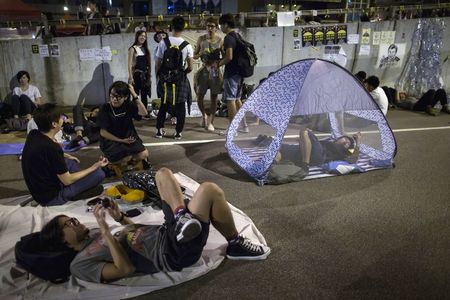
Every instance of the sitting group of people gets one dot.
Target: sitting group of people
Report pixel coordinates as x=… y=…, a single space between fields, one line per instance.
x=54 y=177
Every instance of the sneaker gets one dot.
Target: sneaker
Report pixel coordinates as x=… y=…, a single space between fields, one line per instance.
x=177 y=136
x=173 y=120
x=210 y=128
x=243 y=249
x=432 y=111
x=187 y=227
x=243 y=129
x=160 y=134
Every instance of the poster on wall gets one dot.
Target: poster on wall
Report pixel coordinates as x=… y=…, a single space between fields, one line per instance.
x=307 y=36
x=376 y=38
x=335 y=54
x=364 y=50
x=35 y=49
x=43 y=50
x=297 y=44
x=365 y=36
x=54 y=50
x=341 y=33
x=391 y=55
x=387 y=37
x=295 y=33
x=330 y=35
x=319 y=36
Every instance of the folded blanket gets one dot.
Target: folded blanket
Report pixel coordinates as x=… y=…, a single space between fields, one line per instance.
x=16 y=221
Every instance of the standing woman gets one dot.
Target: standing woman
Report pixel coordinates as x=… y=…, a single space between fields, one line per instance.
x=209 y=75
x=26 y=97
x=139 y=66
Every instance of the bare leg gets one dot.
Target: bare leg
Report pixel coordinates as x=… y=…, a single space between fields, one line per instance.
x=209 y=203
x=212 y=108
x=201 y=106
x=305 y=145
x=141 y=155
x=231 y=105
x=169 y=189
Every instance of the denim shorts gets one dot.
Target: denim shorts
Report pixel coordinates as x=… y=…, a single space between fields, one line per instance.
x=232 y=87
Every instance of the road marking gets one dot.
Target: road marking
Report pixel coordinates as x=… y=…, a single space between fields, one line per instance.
x=287 y=136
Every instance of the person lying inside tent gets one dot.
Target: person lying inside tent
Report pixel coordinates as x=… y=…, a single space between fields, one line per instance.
x=311 y=151
x=172 y=246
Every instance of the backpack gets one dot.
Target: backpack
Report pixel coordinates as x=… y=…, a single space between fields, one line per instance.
x=145 y=181
x=36 y=258
x=17 y=124
x=172 y=70
x=247 y=58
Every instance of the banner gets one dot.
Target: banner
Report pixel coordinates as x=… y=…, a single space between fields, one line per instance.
x=307 y=36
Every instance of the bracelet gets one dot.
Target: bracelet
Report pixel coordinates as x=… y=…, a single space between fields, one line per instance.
x=122 y=216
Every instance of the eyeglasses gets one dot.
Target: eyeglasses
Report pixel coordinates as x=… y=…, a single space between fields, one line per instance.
x=71 y=222
x=210 y=25
x=116 y=96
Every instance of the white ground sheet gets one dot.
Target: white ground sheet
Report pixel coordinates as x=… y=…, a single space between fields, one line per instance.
x=16 y=221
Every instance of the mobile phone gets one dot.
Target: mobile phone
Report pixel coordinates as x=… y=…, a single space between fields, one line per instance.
x=94 y=201
x=133 y=212
x=106 y=203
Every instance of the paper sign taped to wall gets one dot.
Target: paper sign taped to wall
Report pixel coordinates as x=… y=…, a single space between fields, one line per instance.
x=43 y=50
x=387 y=37
x=104 y=53
x=286 y=18
x=376 y=38
x=353 y=39
x=364 y=50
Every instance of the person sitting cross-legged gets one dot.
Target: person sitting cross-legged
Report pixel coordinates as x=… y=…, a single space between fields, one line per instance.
x=52 y=176
x=119 y=140
x=175 y=245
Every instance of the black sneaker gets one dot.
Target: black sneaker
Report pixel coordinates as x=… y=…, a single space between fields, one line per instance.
x=187 y=227
x=177 y=136
x=243 y=249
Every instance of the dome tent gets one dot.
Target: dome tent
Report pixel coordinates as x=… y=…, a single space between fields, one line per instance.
x=316 y=94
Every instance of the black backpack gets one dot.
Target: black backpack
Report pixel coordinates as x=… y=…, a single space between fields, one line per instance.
x=37 y=259
x=172 y=70
x=247 y=58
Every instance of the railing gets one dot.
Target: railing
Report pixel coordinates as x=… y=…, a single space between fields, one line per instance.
x=194 y=20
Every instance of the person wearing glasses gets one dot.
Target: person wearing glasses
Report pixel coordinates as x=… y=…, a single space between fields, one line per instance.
x=119 y=140
x=172 y=246
x=52 y=176
x=209 y=75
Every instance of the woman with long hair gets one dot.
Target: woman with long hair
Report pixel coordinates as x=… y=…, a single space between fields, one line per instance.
x=139 y=66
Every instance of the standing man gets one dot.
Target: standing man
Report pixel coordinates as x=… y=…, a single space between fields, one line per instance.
x=171 y=69
x=208 y=76
x=232 y=83
x=54 y=177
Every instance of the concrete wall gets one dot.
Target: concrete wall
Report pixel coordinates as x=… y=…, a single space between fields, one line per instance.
x=67 y=80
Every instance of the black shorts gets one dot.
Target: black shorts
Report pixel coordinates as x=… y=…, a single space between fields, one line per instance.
x=115 y=151
x=182 y=255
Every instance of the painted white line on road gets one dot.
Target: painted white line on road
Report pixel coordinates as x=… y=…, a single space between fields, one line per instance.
x=287 y=136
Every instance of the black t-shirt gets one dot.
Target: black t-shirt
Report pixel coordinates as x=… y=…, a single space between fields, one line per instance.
x=231 y=68
x=42 y=160
x=119 y=121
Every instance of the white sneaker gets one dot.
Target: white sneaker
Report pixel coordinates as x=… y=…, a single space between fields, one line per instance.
x=243 y=129
x=211 y=127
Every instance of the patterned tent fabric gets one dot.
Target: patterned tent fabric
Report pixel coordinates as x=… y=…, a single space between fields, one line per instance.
x=314 y=94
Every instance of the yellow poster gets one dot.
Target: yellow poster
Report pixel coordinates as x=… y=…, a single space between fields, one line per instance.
x=365 y=36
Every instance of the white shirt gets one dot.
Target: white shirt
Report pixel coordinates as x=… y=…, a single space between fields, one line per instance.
x=32 y=92
x=187 y=51
x=381 y=99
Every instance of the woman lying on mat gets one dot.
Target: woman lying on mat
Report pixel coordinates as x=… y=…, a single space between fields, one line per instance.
x=315 y=152
x=175 y=245
x=54 y=177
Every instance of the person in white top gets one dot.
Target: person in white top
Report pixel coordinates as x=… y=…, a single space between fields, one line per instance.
x=173 y=84
x=377 y=93
x=139 y=66
x=26 y=97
